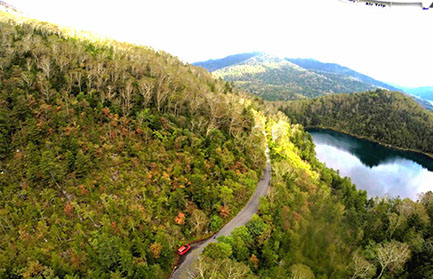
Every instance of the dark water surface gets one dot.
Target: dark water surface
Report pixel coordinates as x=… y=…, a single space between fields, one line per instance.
x=379 y=170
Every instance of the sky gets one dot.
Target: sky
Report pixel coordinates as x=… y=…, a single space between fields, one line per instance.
x=392 y=45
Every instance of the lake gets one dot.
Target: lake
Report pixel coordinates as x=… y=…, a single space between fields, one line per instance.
x=380 y=170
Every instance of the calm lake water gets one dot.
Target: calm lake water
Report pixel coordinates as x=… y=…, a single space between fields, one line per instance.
x=379 y=170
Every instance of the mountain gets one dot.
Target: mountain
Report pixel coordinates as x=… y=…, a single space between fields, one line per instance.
x=215 y=64
x=7 y=7
x=276 y=78
x=329 y=68
x=390 y=118
x=113 y=155
x=273 y=79
x=421 y=92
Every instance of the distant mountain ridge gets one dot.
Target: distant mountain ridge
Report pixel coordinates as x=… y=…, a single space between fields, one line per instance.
x=275 y=78
x=320 y=67
x=425 y=92
x=7 y=7
x=215 y=64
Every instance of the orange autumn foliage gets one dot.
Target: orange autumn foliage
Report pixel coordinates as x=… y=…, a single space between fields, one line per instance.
x=68 y=209
x=180 y=218
x=224 y=211
x=255 y=261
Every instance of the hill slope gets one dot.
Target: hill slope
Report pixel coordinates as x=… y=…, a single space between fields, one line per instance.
x=390 y=118
x=216 y=64
x=113 y=155
x=274 y=78
x=332 y=68
x=315 y=224
x=299 y=79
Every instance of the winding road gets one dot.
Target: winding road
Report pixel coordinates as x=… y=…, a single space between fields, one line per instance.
x=239 y=220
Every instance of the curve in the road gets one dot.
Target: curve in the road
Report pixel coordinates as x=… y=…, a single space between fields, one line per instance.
x=239 y=220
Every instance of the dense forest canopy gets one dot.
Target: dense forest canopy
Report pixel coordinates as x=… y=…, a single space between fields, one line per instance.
x=315 y=224
x=390 y=118
x=113 y=155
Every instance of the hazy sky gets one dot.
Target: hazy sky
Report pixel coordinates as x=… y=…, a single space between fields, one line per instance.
x=393 y=45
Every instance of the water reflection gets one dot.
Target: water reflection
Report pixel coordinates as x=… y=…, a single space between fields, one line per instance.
x=379 y=170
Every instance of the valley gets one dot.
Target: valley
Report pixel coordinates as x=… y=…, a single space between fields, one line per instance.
x=113 y=155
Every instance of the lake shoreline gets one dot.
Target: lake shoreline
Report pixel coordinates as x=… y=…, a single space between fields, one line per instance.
x=375 y=168
x=430 y=156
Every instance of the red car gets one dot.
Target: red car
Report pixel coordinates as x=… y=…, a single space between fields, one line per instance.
x=182 y=250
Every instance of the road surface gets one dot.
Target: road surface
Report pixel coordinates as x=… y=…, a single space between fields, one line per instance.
x=239 y=220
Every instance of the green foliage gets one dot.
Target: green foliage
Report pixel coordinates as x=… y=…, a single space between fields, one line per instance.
x=215 y=223
x=113 y=155
x=275 y=78
x=218 y=250
x=315 y=224
x=390 y=118
x=206 y=267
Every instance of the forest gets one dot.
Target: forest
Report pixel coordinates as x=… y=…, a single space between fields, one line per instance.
x=113 y=155
x=275 y=78
x=315 y=224
x=389 y=118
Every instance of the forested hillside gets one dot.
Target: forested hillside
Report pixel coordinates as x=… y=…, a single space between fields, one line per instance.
x=332 y=68
x=275 y=78
x=216 y=64
x=113 y=155
x=390 y=118
x=315 y=224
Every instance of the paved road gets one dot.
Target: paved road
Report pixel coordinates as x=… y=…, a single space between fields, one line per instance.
x=239 y=220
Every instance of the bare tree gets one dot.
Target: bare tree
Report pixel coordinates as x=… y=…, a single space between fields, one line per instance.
x=26 y=42
x=44 y=87
x=62 y=62
x=27 y=78
x=361 y=267
x=145 y=88
x=206 y=268
x=162 y=90
x=29 y=64
x=111 y=93
x=45 y=64
x=392 y=255
x=65 y=97
x=126 y=95
x=198 y=220
x=395 y=221
x=300 y=271
x=78 y=77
